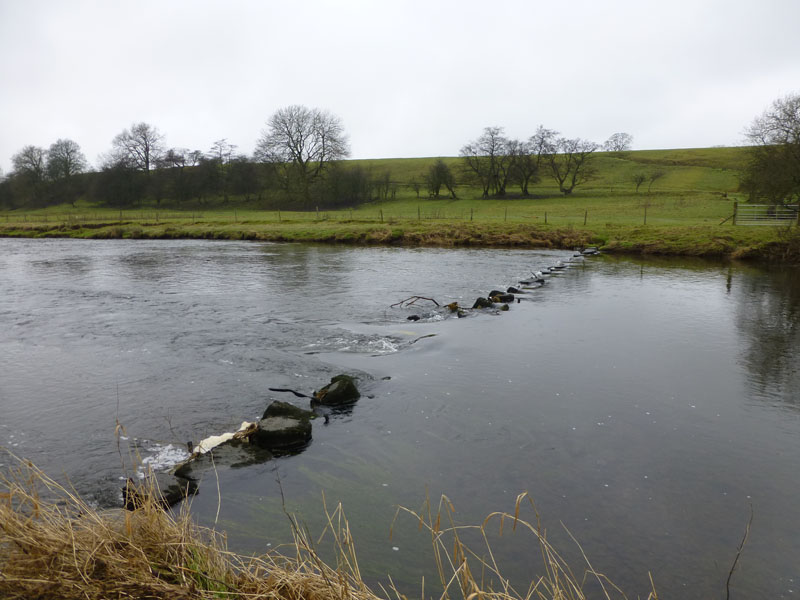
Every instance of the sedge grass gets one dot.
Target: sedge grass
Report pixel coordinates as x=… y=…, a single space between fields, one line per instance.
x=54 y=545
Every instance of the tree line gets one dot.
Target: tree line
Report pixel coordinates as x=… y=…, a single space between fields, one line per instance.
x=298 y=163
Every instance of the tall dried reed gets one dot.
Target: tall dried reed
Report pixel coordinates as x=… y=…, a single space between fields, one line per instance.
x=54 y=545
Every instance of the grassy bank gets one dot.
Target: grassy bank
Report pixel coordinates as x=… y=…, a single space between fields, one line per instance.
x=390 y=225
x=54 y=545
x=686 y=210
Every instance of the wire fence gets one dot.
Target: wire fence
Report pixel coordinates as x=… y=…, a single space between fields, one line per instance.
x=643 y=214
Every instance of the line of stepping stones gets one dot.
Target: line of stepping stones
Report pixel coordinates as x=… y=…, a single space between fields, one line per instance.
x=286 y=429
x=283 y=429
x=504 y=299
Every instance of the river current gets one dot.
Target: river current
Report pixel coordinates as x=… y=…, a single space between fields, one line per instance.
x=646 y=405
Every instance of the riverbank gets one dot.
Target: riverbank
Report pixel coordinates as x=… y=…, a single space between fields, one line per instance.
x=55 y=545
x=699 y=240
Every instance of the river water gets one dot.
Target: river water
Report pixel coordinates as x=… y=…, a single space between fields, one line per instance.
x=646 y=405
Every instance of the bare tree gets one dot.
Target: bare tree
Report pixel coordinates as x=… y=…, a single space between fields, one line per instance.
x=220 y=155
x=304 y=142
x=439 y=175
x=773 y=171
x=654 y=176
x=524 y=164
x=65 y=159
x=618 y=142
x=488 y=161
x=543 y=142
x=570 y=164
x=29 y=174
x=31 y=162
x=139 y=147
x=638 y=179
x=415 y=185
x=222 y=151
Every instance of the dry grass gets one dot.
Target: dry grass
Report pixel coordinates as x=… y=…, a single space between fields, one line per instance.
x=62 y=548
x=53 y=545
x=472 y=573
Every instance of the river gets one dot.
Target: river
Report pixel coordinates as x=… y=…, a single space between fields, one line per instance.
x=646 y=405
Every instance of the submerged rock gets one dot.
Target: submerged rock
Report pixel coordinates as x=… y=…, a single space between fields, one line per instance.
x=161 y=488
x=413 y=317
x=453 y=306
x=505 y=307
x=341 y=390
x=513 y=290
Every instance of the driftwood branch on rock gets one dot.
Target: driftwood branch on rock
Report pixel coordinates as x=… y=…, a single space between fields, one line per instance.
x=411 y=300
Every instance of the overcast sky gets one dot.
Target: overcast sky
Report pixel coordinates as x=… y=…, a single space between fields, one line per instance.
x=407 y=78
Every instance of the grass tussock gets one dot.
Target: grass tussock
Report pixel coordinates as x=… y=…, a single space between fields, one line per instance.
x=63 y=548
x=54 y=545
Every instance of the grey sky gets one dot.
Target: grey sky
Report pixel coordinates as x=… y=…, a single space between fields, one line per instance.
x=407 y=78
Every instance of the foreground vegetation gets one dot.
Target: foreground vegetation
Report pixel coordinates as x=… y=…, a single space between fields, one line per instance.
x=684 y=210
x=53 y=545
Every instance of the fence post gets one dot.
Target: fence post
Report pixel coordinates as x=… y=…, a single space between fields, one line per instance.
x=505 y=216
x=470 y=214
x=545 y=217
x=381 y=215
x=318 y=213
x=735 y=211
x=645 y=214
x=419 y=214
x=585 y=215
x=279 y=215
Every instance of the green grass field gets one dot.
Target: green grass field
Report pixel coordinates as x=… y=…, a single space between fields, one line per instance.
x=684 y=212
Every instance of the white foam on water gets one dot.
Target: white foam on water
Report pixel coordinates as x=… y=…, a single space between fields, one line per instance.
x=163 y=458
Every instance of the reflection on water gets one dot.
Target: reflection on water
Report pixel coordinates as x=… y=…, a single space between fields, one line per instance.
x=634 y=399
x=768 y=315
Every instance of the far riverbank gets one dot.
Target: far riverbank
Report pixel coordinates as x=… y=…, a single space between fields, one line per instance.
x=712 y=241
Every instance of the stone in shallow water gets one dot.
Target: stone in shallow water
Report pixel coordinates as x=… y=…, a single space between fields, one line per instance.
x=285 y=409
x=282 y=433
x=483 y=303
x=341 y=390
x=161 y=488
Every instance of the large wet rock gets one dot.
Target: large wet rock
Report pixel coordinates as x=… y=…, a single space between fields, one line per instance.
x=283 y=428
x=502 y=297
x=483 y=303
x=285 y=409
x=340 y=391
x=282 y=434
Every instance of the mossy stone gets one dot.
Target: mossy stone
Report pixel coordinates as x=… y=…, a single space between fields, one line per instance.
x=281 y=433
x=341 y=390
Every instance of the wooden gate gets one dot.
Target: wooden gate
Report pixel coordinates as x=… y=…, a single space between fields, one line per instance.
x=766 y=214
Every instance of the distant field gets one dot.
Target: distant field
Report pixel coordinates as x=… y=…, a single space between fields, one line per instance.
x=699 y=169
